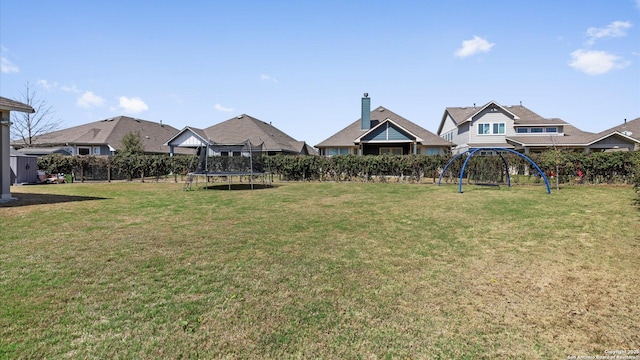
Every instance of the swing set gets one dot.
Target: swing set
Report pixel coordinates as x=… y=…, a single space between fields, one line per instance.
x=499 y=151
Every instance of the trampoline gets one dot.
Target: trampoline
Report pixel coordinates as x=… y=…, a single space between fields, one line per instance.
x=228 y=161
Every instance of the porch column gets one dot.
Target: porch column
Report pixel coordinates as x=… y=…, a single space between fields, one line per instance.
x=415 y=147
x=5 y=157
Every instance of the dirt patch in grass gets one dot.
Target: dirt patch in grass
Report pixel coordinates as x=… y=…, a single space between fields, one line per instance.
x=578 y=308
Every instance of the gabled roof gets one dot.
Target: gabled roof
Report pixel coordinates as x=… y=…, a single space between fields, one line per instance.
x=110 y=132
x=384 y=123
x=199 y=133
x=244 y=127
x=12 y=105
x=350 y=134
x=521 y=115
x=628 y=128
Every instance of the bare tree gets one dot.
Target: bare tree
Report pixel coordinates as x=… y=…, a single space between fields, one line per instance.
x=27 y=127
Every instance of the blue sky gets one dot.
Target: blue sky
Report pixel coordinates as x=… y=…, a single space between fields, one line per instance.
x=304 y=65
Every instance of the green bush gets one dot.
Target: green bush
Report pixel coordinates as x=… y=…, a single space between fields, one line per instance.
x=595 y=168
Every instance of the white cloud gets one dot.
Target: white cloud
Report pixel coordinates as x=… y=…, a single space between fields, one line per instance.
x=132 y=105
x=222 y=108
x=47 y=85
x=593 y=62
x=7 y=67
x=268 y=78
x=72 y=89
x=615 y=29
x=474 y=46
x=89 y=99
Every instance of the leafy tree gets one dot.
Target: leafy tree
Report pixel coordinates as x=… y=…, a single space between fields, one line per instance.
x=131 y=144
x=28 y=127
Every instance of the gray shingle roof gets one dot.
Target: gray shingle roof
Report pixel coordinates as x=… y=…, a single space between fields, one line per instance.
x=12 y=105
x=630 y=128
x=572 y=136
x=110 y=132
x=346 y=136
x=244 y=127
x=523 y=114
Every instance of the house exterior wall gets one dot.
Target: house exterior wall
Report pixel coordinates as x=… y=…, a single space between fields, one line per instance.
x=186 y=139
x=448 y=125
x=462 y=135
x=490 y=117
x=612 y=142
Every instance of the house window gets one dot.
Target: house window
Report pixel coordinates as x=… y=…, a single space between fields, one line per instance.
x=83 y=150
x=390 y=151
x=338 y=151
x=96 y=150
x=432 y=151
x=537 y=130
x=237 y=153
x=484 y=129
x=551 y=130
x=224 y=153
x=522 y=130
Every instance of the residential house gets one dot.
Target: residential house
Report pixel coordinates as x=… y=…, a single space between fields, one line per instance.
x=238 y=130
x=381 y=132
x=102 y=138
x=6 y=107
x=517 y=127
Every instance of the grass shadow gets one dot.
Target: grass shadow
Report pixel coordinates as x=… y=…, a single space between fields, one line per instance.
x=238 y=187
x=26 y=199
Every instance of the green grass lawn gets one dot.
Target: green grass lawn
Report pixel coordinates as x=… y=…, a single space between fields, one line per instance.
x=318 y=270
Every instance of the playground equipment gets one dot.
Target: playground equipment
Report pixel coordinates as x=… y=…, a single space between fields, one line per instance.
x=499 y=151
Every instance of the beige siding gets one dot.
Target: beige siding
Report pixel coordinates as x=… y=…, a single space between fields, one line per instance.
x=448 y=125
x=489 y=117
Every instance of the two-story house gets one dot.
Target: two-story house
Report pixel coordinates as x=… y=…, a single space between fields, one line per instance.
x=516 y=127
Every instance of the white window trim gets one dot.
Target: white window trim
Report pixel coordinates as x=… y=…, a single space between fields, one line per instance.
x=491 y=124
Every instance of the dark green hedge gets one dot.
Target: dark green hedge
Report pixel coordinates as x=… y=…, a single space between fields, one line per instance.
x=593 y=168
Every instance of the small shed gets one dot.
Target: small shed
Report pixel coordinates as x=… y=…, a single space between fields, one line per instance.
x=24 y=168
